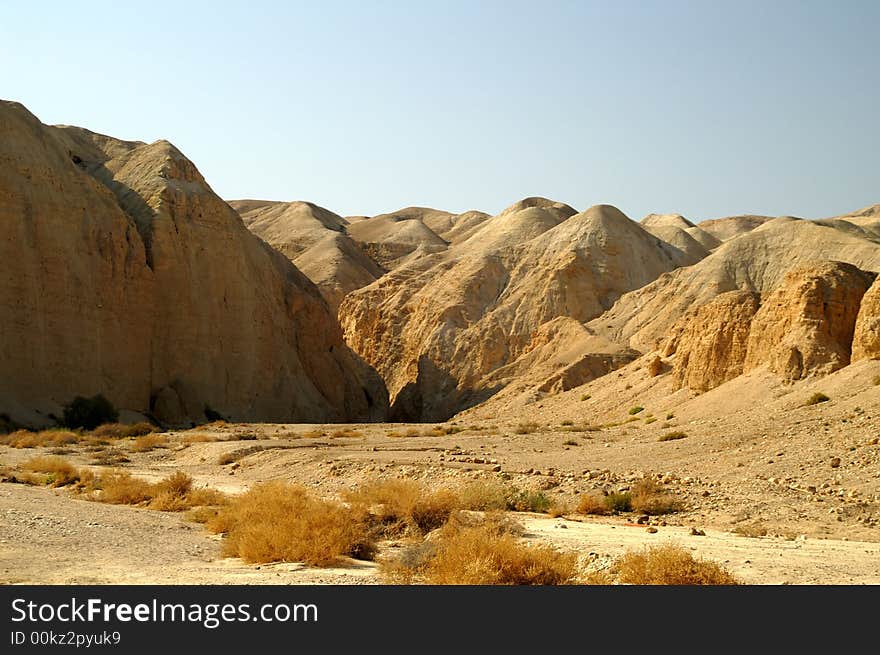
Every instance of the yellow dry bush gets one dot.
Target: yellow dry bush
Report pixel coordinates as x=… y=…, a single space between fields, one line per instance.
x=480 y=556
x=57 y=470
x=280 y=522
x=148 y=442
x=669 y=565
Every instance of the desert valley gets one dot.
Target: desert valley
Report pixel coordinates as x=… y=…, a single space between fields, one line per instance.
x=205 y=390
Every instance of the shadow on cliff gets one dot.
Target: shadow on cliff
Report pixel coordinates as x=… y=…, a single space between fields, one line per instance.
x=435 y=396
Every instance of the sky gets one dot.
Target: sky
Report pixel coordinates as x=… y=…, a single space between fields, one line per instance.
x=706 y=108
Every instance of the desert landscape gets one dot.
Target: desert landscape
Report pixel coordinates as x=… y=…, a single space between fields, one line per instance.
x=200 y=390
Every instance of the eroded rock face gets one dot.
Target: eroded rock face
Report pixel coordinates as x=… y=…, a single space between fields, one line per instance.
x=806 y=326
x=711 y=344
x=133 y=279
x=439 y=328
x=866 y=339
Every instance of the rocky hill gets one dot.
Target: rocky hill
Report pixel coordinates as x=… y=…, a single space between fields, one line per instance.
x=124 y=274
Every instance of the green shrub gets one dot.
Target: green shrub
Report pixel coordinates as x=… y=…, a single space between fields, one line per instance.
x=635 y=410
x=529 y=501
x=619 y=502
x=89 y=413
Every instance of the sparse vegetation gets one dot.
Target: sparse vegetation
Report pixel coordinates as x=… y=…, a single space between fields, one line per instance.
x=619 y=502
x=649 y=497
x=593 y=503
x=650 y=419
x=754 y=529
x=149 y=442
x=280 y=522
x=123 y=430
x=586 y=396
x=669 y=565
x=526 y=428
x=399 y=507
x=58 y=471
x=673 y=436
x=44 y=438
x=567 y=422
x=89 y=413
x=482 y=555
x=174 y=493
x=570 y=442
x=635 y=410
x=817 y=398
x=529 y=501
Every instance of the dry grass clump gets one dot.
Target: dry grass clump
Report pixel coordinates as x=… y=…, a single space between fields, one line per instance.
x=673 y=436
x=149 y=442
x=174 y=493
x=276 y=521
x=817 y=398
x=57 y=471
x=526 y=428
x=198 y=437
x=123 y=430
x=412 y=432
x=592 y=503
x=44 y=438
x=480 y=555
x=109 y=457
x=755 y=529
x=347 y=432
x=398 y=507
x=529 y=501
x=669 y=565
x=649 y=497
x=635 y=410
x=484 y=496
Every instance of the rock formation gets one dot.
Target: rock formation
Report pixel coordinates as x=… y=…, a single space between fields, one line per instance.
x=126 y=275
x=438 y=329
x=866 y=338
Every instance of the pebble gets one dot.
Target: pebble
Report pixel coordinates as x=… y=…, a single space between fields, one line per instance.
x=651 y=530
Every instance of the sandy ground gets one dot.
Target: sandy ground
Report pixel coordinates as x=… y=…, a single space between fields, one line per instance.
x=82 y=542
x=754 y=459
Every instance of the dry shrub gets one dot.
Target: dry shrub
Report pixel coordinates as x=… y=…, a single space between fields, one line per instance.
x=479 y=555
x=412 y=432
x=123 y=430
x=276 y=521
x=314 y=434
x=174 y=493
x=396 y=507
x=484 y=496
x=393 y=434
x=669 y=565
x=817 y=398
x=44 y=438
x=649 y=497
x=198 y=437
x=347 y=432
x=110 y=457
x=755 y=529
x=673 y=436
x=121 y=488
x=526 y=428
x=529 y=501
x=593 y=503
x=149 y=442
x=57 y=470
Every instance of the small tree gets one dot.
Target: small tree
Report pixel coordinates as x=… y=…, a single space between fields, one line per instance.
x=89 y=413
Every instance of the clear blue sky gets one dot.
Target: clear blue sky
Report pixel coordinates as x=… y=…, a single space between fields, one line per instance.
x=703 y=108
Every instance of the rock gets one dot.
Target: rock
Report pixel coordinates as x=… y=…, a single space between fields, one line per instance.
x=496 y=468
x=643 y=520
x=694 y=532
x=866 y=338
x=835 y=462
x=651 y=530
x=538 y=264
x=131 y=278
